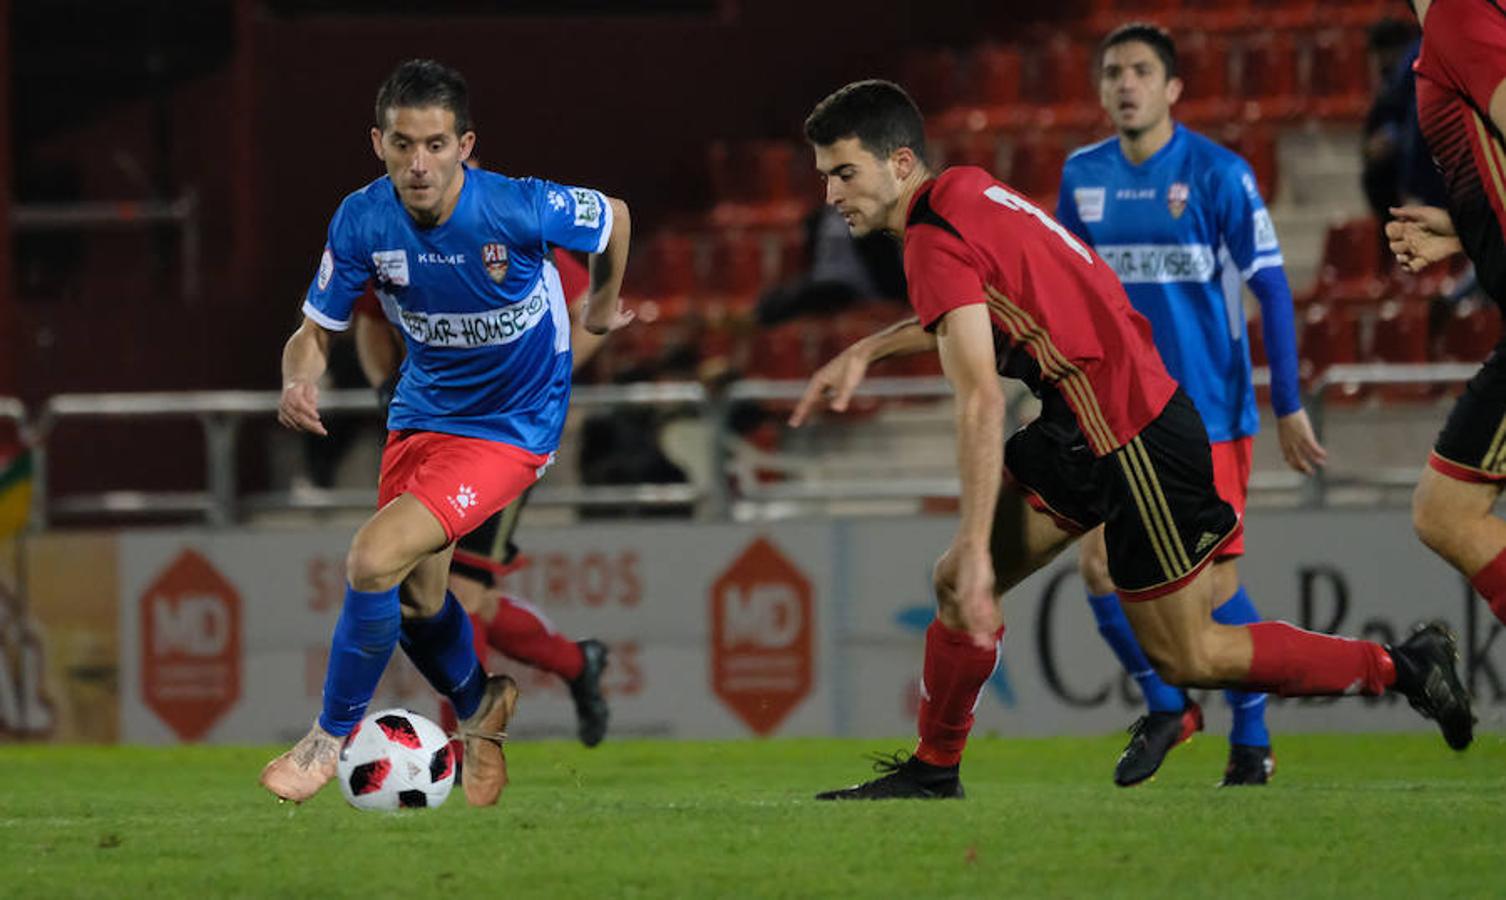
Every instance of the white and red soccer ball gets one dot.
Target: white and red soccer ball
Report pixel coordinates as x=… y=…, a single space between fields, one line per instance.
x=396 y=759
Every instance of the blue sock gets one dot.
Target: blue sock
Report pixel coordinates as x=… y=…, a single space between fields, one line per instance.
x=1248 y=708
x=358 y=653
x=442 y=649
x=1116 y=631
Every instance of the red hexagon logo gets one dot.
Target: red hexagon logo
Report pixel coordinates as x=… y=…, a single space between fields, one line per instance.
x=761 y=635
x=190 y=646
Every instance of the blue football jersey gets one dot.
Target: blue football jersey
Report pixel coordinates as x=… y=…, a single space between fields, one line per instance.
x=477 y=299
x=1183 y=231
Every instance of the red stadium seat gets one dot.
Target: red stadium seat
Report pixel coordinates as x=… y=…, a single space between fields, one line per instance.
x=1340 y=79
x=1064 y=81
x=1268 y=83
x=1353 y=268
x=1035 y=166
x=1203 y=60
x=1401 y=336
x=737 y=263
x=1224 y=17
x=789 y=351
x=760 y=182
x=973 y=148
x=665 y=265
x=1257 y=144
x=997 y=73
x=1471 y=331
x=1327 y=336
x=933 y=77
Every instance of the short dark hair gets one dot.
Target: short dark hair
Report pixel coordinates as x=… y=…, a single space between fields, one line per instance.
x=878 y=113
x=1154 y=36
x=424 y=82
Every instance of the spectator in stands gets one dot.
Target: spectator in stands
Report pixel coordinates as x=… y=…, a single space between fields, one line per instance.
x=844 y=270
x=1397 y=167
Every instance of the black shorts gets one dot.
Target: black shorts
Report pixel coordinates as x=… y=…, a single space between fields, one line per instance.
x=487 y=551
x=1164 y=520
x=1472 y=445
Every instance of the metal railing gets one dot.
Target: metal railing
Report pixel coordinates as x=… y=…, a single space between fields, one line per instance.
x=1367 y=375
x=734 y=466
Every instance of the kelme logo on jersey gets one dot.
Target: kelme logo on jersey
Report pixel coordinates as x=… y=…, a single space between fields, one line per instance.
x=1176 y=198
x=495 y=257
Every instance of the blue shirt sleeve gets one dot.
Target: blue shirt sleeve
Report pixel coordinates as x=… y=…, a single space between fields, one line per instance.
x=574 y=218
x=1243 y=221
x=1245 y=227
x=343 y=273
x=1279 y=328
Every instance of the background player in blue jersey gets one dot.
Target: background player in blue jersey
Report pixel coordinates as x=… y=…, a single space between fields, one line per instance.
x=459 y=261
x=1181 y=221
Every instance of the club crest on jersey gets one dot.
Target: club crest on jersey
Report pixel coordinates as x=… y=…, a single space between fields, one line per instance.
x=1176 y=199
x=495 y=257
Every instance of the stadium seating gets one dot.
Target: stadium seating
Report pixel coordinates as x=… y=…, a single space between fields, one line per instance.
x=1353 y=267
x=1327 y=336
x=1203 y=59
x=1401 y=336
x=1340 y=80
x=1035 y=166
x=1268 y=82
x=1470 y=332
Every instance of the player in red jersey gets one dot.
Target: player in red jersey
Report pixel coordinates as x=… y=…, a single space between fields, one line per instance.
x=511 y=626
x=1461 y=105
x=1000 y=288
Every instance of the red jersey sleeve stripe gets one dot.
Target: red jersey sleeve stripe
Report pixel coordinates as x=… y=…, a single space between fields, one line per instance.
x=1068 y=377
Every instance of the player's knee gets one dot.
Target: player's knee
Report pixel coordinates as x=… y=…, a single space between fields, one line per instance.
x=367 y=567
x=1432 y=521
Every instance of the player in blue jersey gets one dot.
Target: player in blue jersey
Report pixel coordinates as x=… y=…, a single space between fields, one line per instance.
x=1181 y=221
x=459 y=258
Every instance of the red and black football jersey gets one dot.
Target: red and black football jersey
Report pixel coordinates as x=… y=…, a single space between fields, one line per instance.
x=1061 y=319
x=1463 y=61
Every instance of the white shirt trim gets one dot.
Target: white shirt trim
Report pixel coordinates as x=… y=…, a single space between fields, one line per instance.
x=323 y=320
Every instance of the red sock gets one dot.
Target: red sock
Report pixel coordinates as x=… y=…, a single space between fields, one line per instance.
x=954 y=672
x=1491 y=583
x=1294 y=663
x=521 y=632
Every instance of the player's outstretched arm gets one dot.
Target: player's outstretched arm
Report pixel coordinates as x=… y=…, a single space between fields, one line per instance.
x=836 y=381
x=1421 y=235
x=304 y=359
x=965 y=340
x=604 y=303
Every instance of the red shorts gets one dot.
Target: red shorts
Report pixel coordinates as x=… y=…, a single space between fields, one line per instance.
x=463 y=481
x=1231 y=478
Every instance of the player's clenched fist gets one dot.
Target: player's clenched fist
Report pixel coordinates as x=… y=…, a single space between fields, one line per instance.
x=298 y=408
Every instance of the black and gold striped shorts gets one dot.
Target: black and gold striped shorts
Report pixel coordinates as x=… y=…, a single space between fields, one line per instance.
x=1472 y=445
x=1162 y=515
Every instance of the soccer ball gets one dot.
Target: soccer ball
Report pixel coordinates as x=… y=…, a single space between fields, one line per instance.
x=396 y=759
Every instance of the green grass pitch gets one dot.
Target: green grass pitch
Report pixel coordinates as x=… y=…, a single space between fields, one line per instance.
x=1348 y=816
